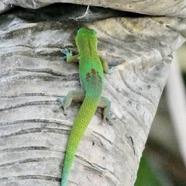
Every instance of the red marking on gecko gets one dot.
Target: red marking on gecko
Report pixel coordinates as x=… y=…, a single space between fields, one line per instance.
x=93 y=71
x=88 y=75
x=94 y=76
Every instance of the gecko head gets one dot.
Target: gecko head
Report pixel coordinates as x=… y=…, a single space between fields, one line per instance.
x=86 y=31
x=85 y=37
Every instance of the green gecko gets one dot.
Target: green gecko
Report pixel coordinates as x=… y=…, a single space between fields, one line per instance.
x=91 y=67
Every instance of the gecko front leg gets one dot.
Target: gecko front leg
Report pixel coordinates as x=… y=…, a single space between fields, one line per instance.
x=69 y=57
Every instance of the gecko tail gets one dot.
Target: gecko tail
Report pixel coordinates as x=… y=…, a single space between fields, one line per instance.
x=64 y=179
x=66 y=170
x=81 y=122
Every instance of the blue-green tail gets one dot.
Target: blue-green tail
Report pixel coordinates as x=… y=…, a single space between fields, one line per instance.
x=81 y=122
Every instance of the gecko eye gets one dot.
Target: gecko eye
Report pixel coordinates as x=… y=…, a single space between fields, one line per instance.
x=79 y=30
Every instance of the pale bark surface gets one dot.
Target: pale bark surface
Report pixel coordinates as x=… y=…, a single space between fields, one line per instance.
x=34 y=130
x=175 y=8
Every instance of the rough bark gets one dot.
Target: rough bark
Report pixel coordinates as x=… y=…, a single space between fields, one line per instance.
x=34 y=130
x=148 y=7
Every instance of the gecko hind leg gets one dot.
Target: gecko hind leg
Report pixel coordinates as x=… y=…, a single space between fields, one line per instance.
x=105 y=104
x=73 y=95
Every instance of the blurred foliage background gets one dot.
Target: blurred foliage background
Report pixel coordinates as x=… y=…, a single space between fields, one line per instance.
x=162 y=163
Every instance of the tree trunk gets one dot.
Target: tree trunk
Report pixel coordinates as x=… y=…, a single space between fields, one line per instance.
x=34 y=130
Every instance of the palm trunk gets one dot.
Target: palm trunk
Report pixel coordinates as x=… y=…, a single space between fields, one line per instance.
x=34 y=130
